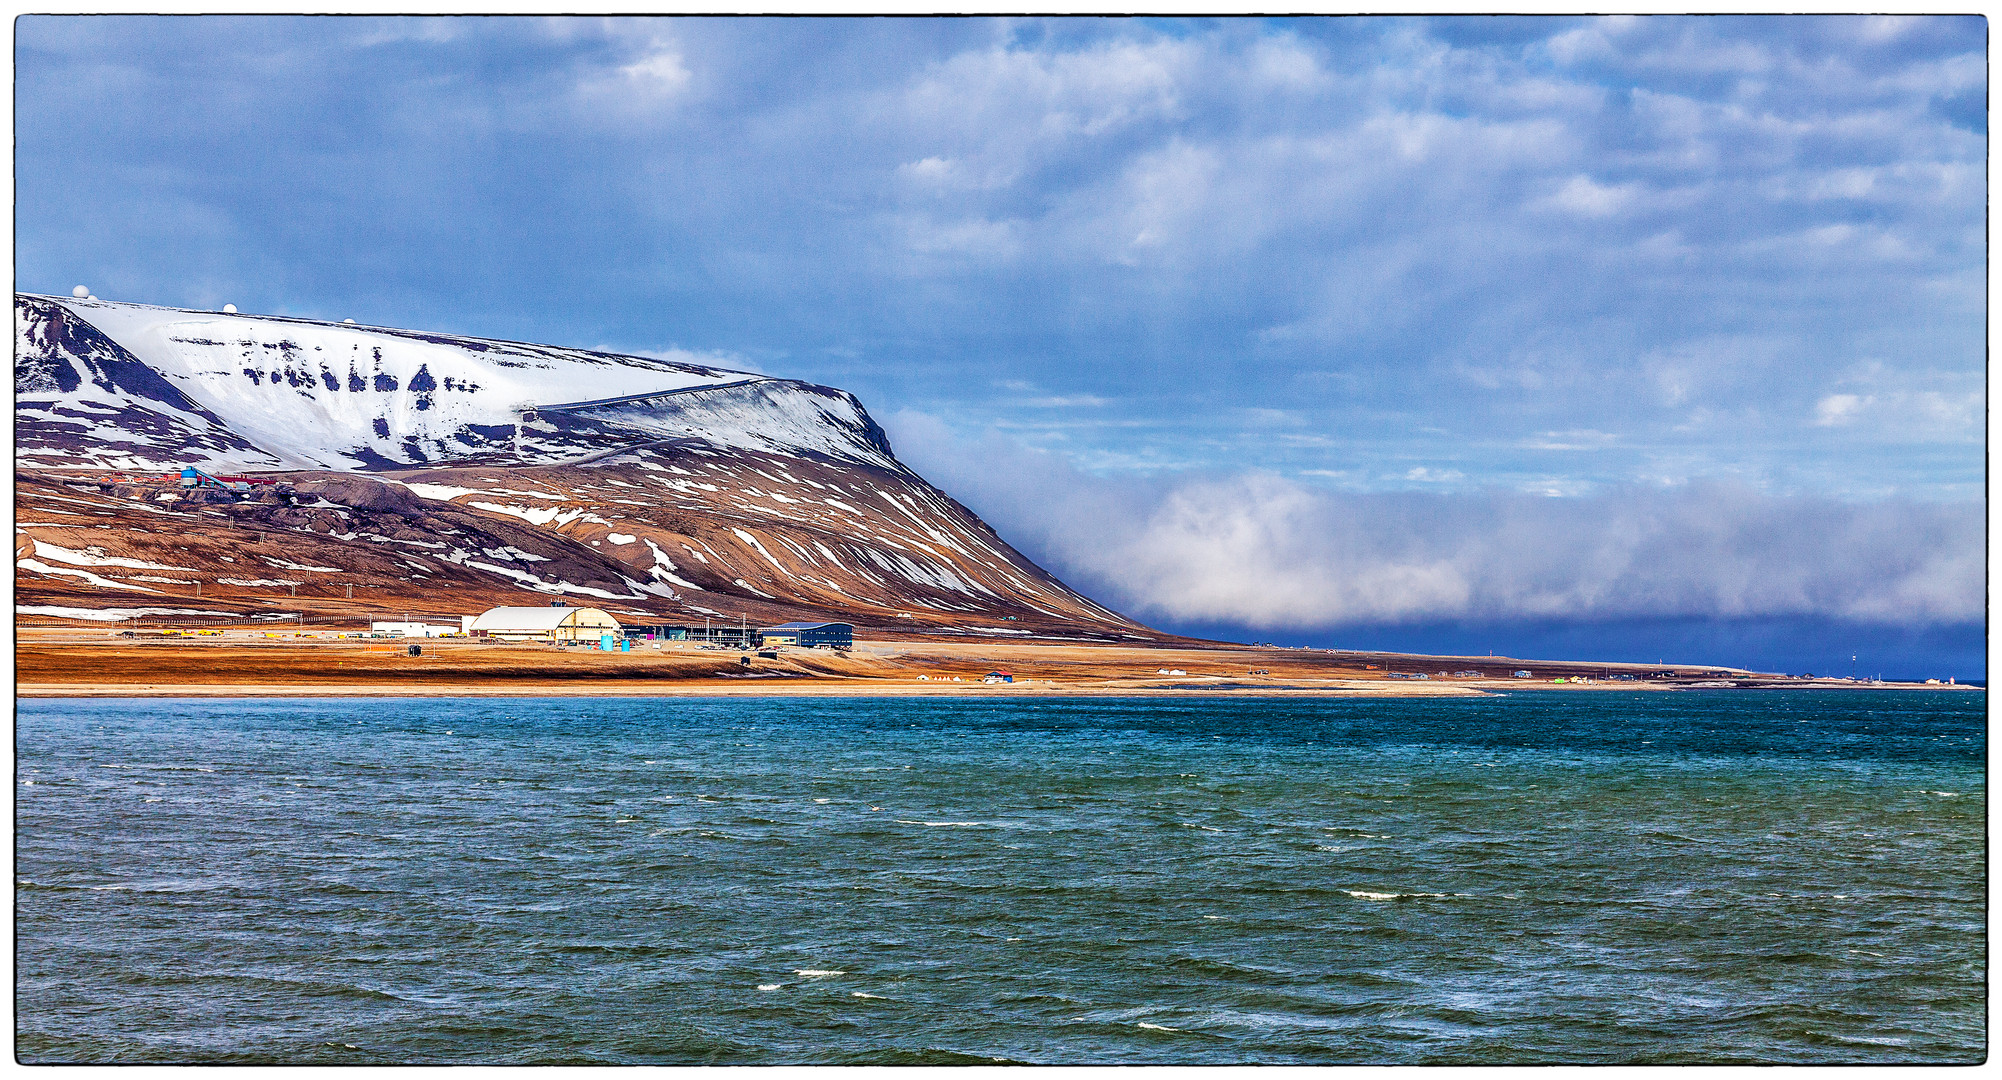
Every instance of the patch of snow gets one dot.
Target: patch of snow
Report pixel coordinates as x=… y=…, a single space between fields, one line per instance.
x=442 y=492
x=541 y=515
x=663 y=567
x=753 y=588
x=283 y=565
x=112 y=614
x=538 y=516
x=81 y=558
x=753 y=541
x=38 y=567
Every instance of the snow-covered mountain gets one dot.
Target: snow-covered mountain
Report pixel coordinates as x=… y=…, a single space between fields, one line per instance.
x=82 y=401
x=438 y=470
x=297 y=393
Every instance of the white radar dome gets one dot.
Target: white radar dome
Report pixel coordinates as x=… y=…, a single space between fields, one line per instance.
x=80 y=291
x=229 y=309
x=350 y=322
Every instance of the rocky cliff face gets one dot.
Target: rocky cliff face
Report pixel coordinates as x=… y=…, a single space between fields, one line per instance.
x=436 y=475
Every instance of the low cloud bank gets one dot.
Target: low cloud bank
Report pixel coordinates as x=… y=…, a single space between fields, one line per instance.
x=1260 y=551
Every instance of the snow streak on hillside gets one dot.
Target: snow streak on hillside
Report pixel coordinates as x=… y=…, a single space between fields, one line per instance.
x=777 y=416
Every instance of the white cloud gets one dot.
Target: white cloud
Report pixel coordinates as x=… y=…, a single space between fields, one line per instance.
x=1167 y=192
x=651 y=73
x=1001 y=98
x=1838 y=409
x=974 y=236
x=1905 y=405
x=1597 y=39
x=658 y=73
x=1581 y=439
x=1065 y=401
x=1286 y=63
x=931 y=170
x=434 y=31
x=1582 y=195
x=1258 y=550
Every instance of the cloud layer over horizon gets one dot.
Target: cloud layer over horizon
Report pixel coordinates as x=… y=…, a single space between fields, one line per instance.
x=1256 y=550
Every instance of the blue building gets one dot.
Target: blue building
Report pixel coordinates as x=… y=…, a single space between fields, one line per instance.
x=810 y=635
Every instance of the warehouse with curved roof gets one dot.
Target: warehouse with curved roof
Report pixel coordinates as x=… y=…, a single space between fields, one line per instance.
x=557 y=624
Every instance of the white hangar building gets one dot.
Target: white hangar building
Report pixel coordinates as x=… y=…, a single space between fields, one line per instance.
x=558 y=624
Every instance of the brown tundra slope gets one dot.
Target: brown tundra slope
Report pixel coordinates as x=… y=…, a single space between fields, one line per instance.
x=436 y=476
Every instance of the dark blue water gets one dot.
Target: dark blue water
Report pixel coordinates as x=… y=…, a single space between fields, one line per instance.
x=1652 y=877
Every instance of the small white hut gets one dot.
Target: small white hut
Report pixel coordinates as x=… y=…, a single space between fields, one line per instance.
x=558 y=624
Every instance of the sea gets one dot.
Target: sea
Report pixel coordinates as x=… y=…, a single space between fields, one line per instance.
x=1728 y=876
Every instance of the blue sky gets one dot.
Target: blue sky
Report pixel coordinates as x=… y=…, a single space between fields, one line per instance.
x=1294 y=326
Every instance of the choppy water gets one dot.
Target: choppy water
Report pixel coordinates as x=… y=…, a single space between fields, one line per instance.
x=1792 y=876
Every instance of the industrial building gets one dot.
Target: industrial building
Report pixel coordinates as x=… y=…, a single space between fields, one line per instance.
x=730 y=636
x=556 y=624
x=413 y=629
x=810 y=635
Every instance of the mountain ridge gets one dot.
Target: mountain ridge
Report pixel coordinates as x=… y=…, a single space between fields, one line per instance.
x=427 y=469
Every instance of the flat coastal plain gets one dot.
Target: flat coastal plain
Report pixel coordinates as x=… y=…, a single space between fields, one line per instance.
x=72 y=662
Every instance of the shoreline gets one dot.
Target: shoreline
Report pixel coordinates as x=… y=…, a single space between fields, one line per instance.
x=790 y=688
x=59 y=662
x=798 y=689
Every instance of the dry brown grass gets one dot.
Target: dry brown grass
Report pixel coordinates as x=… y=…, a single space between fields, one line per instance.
x=72 y=661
